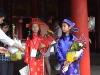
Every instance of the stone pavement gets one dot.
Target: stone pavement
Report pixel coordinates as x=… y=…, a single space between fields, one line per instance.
x=95 y=70
x=95 y=63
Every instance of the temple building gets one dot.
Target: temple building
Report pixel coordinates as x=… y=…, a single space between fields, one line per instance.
x=19 y=13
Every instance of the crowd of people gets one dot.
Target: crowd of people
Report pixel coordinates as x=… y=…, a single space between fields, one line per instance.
x=34 y=44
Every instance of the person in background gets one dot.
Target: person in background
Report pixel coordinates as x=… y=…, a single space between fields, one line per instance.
x=58 y=32
x=3 y=50
x=2 y=15
x=4 y=38
x=6 y=66
x=49 y=21
x=57 y=29
x=44 y=28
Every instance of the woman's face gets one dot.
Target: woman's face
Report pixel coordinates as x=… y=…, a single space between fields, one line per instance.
x=65 y=28
x=5 y=28
x=1 y=20
x=35 y=28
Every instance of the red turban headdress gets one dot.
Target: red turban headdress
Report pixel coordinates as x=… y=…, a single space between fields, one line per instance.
x=34 y=21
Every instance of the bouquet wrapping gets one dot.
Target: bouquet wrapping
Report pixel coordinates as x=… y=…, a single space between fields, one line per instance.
x=15 y=53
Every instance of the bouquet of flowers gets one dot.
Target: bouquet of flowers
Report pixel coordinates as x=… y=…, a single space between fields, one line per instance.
x=47 y=40
x=38 y=55
x=75 y=50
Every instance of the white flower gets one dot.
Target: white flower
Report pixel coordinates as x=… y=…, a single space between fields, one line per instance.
x=80 y=44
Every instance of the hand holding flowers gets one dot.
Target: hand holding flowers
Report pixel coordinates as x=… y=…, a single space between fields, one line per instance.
x=47 y=41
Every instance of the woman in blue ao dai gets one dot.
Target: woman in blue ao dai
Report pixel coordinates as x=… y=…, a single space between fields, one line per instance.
x=63 y=46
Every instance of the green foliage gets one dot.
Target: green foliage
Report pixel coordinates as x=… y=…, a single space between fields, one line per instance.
x=38 y=55
x=75 y=46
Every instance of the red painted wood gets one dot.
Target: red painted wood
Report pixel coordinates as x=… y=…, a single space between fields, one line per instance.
x=79 y=15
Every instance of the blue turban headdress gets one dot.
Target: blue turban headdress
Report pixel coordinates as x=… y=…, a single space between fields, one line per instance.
x=69 y=22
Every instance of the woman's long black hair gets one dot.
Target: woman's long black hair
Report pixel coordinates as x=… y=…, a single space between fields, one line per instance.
x=70 y=33
x=31 y=33
x=4 y=24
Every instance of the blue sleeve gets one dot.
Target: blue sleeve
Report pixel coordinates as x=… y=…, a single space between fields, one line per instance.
x=74 y=37
x=59 y=53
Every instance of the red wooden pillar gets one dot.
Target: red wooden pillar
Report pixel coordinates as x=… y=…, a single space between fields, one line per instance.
x=34 y=8
x=79 y=15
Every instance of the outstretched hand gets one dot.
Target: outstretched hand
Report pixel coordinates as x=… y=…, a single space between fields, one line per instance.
x=66 y=63
x=3 y=50
x=22 y=49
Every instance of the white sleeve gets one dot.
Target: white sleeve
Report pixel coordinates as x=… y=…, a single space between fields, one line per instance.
x=5 y=39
